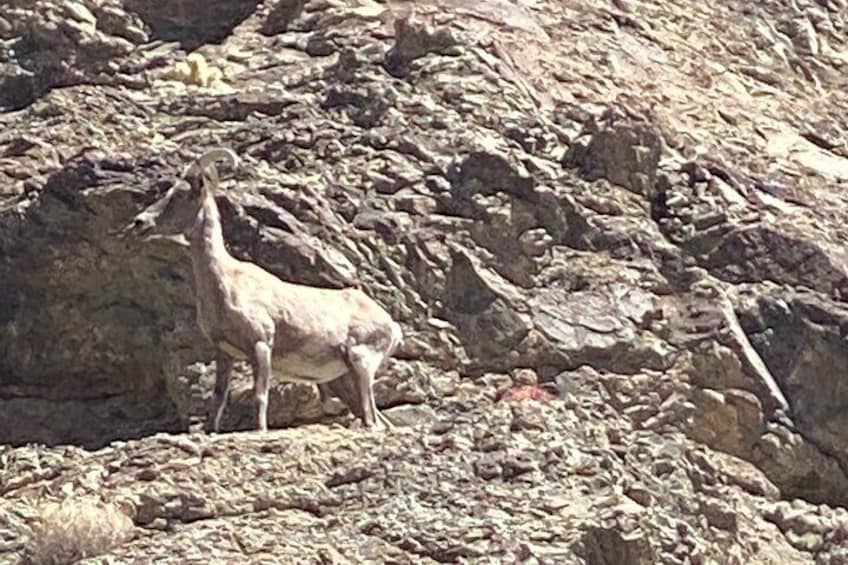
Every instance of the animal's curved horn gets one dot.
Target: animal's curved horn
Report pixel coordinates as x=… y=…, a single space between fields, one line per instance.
x=199 y=165
x=218 y=154
x=205 y=164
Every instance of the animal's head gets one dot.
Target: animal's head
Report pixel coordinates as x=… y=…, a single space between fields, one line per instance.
x=175 y=212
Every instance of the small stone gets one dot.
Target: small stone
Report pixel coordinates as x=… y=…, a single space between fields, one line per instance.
x=441 y=427
x=158 y=524
x=535 y=242
x=719 y=515
x=79 y=12
x=355 y=474
x=515 y=466
x=488 y=468
x=810 y=541
x=147 y=474
x=416 y=204
x=489 y=444
x=410 y=414
x=525 y=377
x=640 y=495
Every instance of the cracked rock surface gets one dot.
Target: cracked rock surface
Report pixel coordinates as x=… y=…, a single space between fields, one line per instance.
x=612 y=232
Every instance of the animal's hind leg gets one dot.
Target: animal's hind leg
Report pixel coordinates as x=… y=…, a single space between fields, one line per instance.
x=381 y=418
x=223 y=374
x=364 y=362
x=394 y=341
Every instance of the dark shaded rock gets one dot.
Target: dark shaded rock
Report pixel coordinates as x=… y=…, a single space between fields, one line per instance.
x=608 y=546
x=801 y=339
x=19 y=87
x=365 y=106
x=623 y=153
x=476 y=300
x=759 y=253
x=65 y=235
x=191 y=22
x=281 y=15
x=65 y=44
x=487 y=173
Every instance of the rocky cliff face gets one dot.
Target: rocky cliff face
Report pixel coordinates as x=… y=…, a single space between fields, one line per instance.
x=611 y=231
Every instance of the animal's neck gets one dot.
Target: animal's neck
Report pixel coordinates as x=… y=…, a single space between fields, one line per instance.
x=208 y=251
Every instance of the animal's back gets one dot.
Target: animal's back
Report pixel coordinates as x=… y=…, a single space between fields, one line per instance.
x=308 y=304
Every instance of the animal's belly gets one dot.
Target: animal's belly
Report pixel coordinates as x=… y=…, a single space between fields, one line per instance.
x=231 y=350
x=297 y=367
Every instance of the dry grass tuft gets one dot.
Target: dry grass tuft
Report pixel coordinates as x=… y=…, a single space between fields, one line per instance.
x=74 y=529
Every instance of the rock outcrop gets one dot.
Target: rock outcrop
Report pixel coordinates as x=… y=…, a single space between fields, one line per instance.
x=612 y=233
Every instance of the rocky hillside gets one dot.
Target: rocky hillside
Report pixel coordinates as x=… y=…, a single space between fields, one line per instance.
x=613 y=233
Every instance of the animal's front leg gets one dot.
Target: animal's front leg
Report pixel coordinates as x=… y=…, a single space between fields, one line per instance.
x=261 y=382
x=224 y=372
